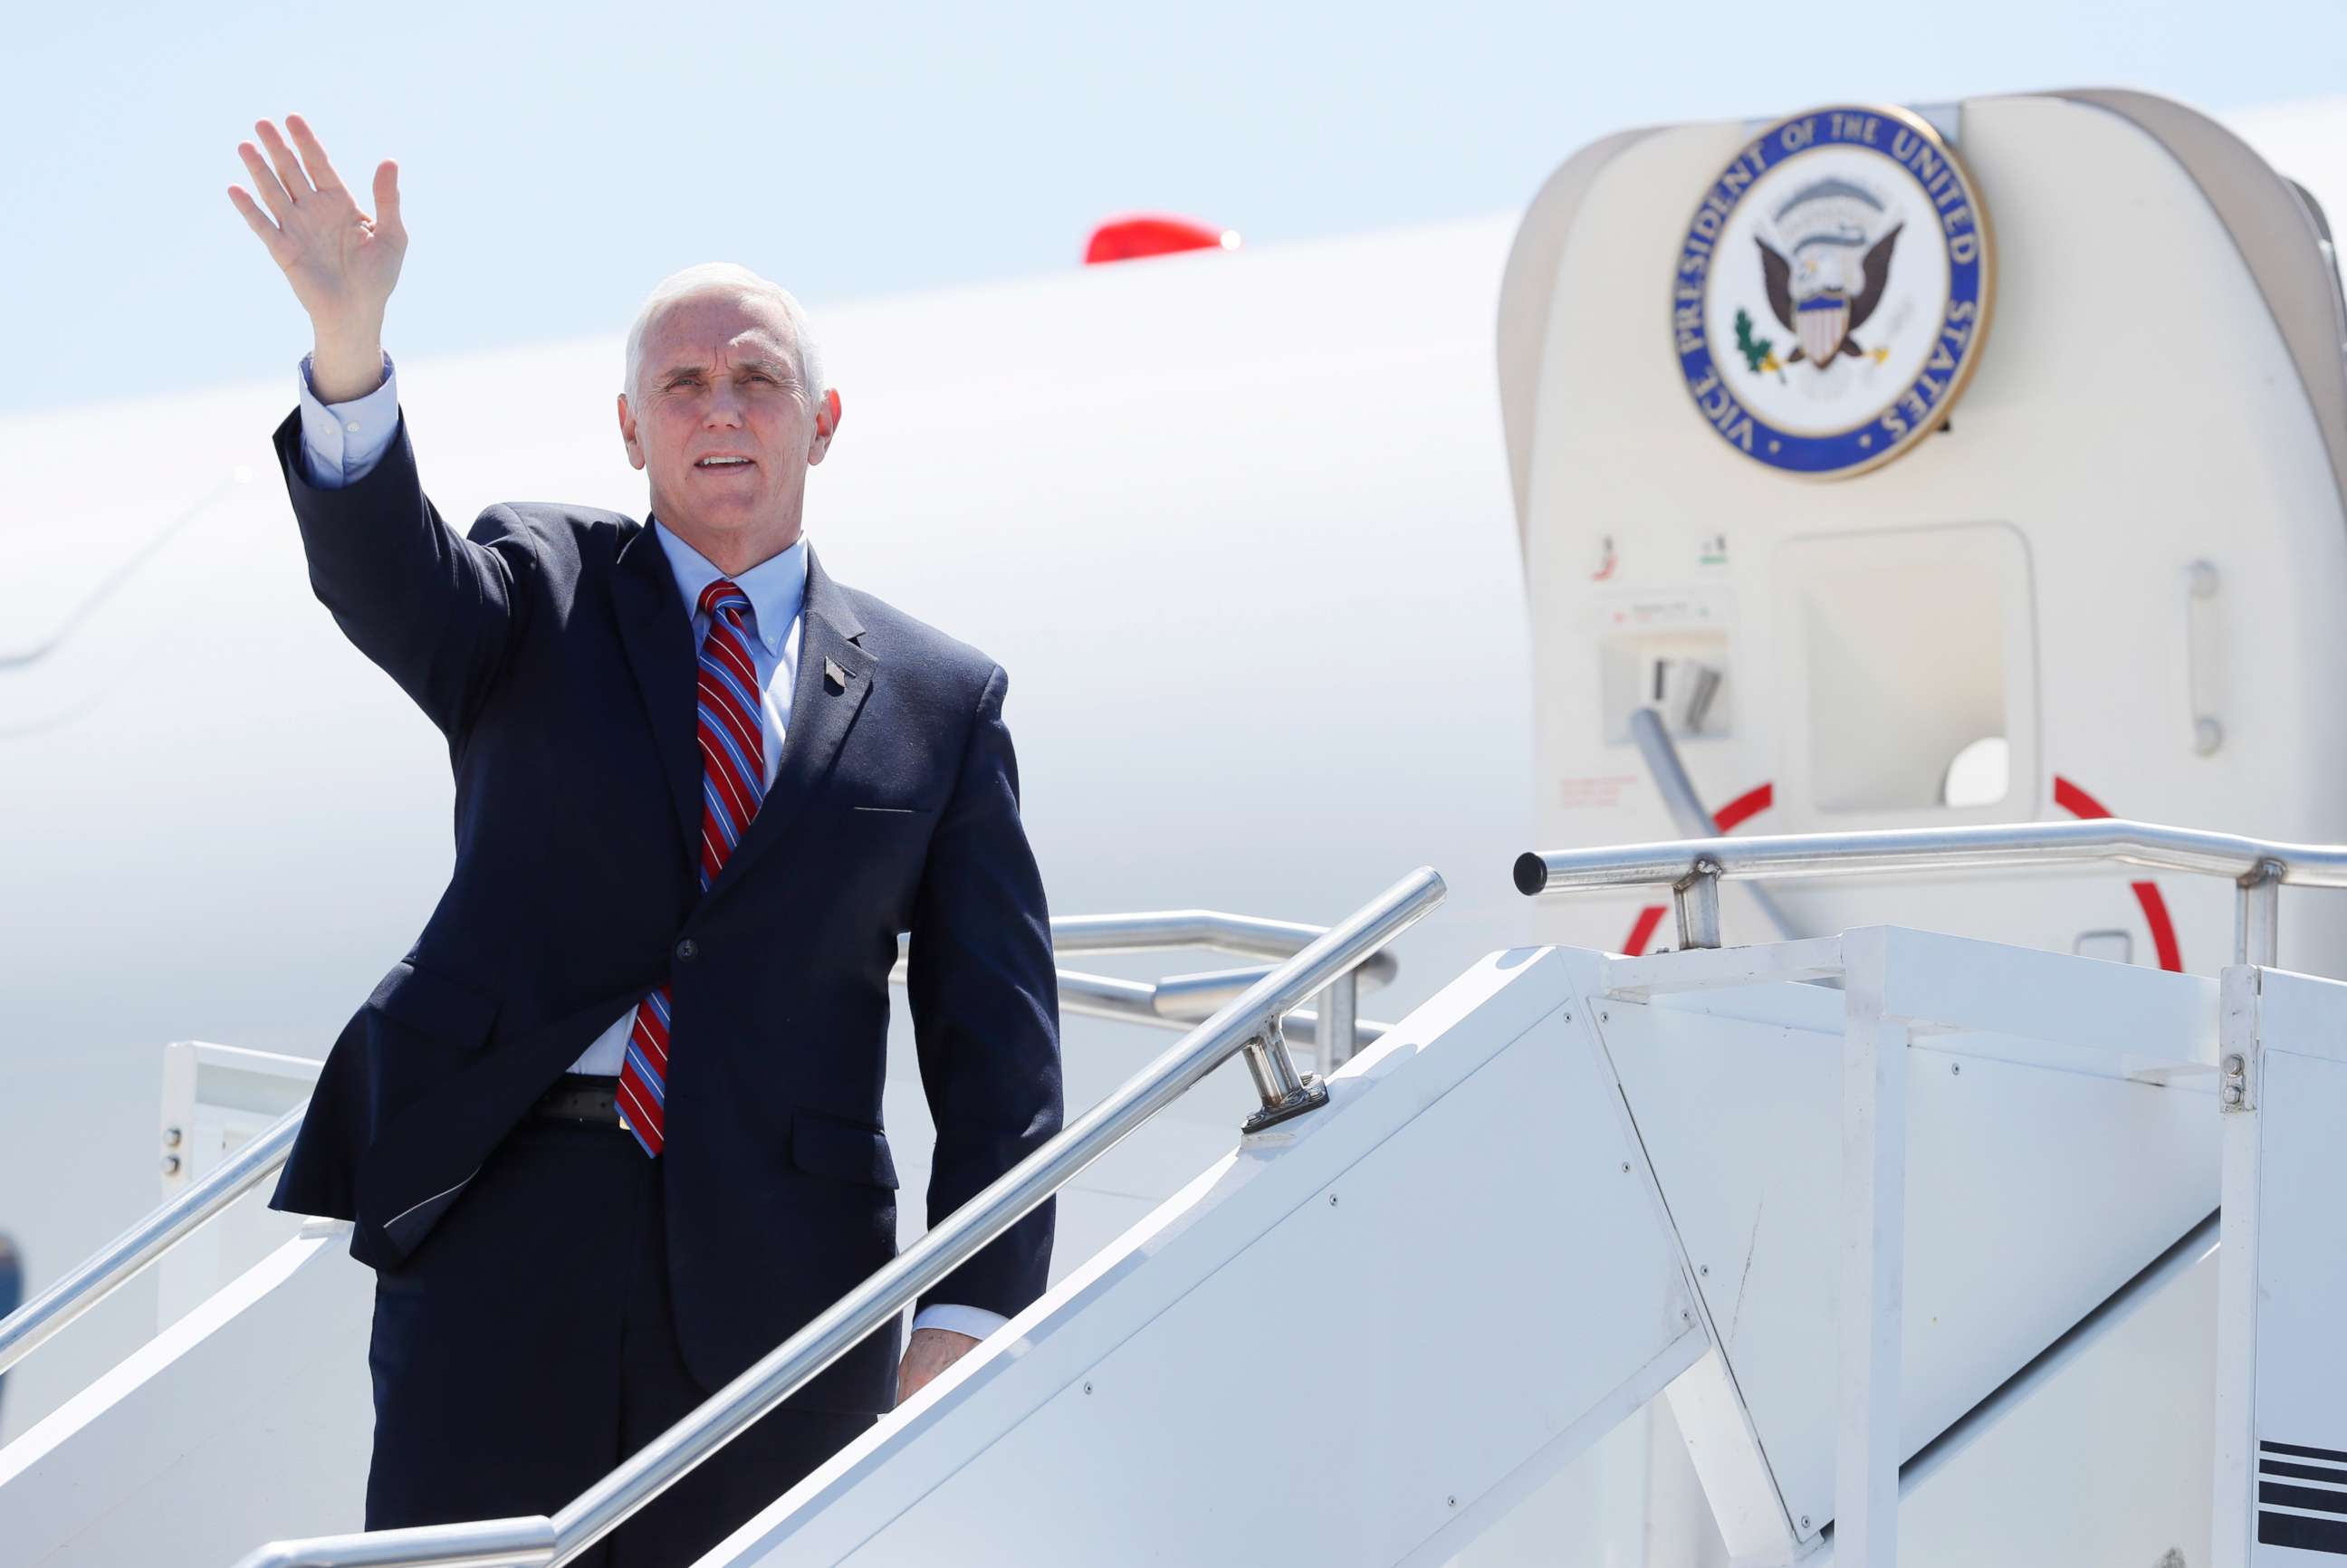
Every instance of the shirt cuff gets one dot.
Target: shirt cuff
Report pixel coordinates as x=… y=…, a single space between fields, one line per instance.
x=975 y=1321
x=344 y=440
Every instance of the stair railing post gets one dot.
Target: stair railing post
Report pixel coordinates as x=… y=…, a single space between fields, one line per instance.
x=1284 y=1092
x=2257 y=917
x=1696 y=897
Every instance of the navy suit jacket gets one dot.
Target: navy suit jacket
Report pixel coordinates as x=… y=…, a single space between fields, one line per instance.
x=553 y=650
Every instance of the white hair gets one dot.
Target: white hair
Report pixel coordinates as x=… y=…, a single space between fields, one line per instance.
x=715 y=277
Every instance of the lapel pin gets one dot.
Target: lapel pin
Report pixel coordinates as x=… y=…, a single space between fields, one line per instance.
x=836 y=675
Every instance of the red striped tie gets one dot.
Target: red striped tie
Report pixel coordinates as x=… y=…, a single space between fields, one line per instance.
x=733 y=783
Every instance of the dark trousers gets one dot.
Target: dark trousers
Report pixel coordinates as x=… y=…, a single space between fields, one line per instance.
x=527 y=1346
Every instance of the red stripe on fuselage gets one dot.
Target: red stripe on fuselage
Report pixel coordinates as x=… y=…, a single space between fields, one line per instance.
x=2079 y=804
x=1744 y=807
x=1642 y=931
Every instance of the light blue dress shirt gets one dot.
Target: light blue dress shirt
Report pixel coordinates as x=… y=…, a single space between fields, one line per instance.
x=344 y=441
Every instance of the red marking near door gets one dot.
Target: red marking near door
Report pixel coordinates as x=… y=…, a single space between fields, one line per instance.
x=1748 y=805
x=2079 y=804
x=1726 y=819
x=2066 y=795
x=1642 y=931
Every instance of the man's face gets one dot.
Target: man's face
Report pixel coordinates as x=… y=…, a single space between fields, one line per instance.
x=720 y=380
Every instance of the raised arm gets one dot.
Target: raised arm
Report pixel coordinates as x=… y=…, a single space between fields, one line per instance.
x=438 y=612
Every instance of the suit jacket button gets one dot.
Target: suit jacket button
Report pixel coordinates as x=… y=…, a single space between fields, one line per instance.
x=688 y=951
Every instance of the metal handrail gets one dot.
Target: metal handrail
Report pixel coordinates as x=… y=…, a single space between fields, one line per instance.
x=1241 y=936
x=1251 y=1024
x=1152 y=930
x=1097 y=995
x=120 y=1259
x=1181 y=1001
x=1693 y=868
x=1178 y=1001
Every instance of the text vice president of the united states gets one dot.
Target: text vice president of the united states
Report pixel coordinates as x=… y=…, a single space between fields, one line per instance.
x=610 y=1129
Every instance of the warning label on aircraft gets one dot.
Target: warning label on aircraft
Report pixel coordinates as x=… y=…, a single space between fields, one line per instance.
x=1833 y=291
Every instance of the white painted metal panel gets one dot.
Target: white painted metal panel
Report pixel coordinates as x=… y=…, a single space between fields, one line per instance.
x=2034 y=1189
x=2281 y=1469
x=1628 y=1501
x=248 y=1419
x=2300 y=1372
x=216 y=1097
x=2104 y=1466
x=1470 y=1228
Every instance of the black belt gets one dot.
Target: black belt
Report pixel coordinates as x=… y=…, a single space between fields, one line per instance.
x=580 y=1096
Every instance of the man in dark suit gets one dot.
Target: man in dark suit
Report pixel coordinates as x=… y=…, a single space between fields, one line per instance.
x=612 y=1130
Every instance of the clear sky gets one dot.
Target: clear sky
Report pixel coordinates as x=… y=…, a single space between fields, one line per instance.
x=557 y=158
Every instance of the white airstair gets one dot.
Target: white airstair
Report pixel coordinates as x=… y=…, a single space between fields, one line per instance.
x=1915 y=1234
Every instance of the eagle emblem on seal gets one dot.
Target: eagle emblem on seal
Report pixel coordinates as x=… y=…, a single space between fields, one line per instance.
x=1829 y=274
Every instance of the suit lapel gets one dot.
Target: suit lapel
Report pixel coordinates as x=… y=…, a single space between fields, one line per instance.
x=834 y=678
x=658 y=636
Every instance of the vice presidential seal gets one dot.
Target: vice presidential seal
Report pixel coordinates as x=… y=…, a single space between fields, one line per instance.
x=1833 y=291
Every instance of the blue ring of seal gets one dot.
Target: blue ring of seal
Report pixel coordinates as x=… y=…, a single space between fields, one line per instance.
x=1869 y=442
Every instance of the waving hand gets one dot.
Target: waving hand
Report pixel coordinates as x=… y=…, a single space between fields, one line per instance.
x=342 y=263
